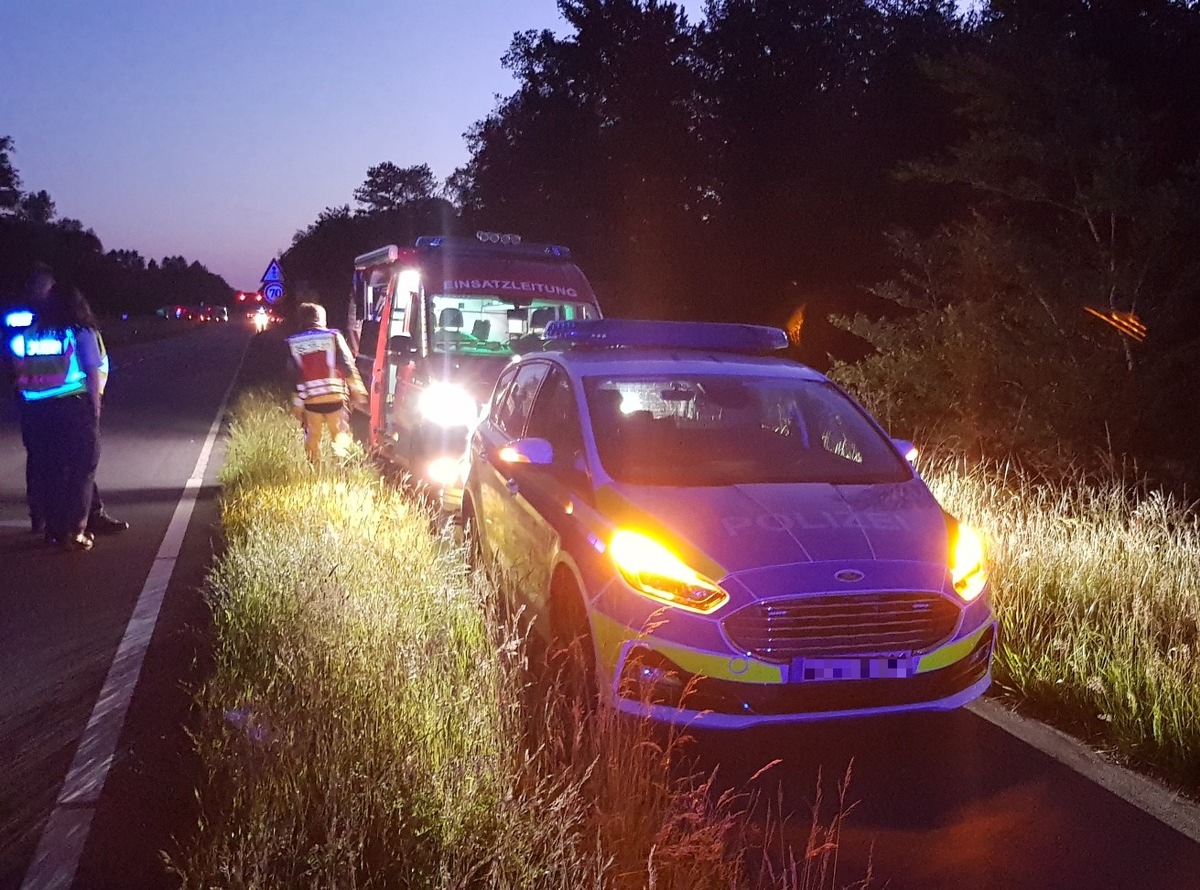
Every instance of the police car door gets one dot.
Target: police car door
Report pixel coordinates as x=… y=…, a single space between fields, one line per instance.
x=498 y=513
x=546 y=493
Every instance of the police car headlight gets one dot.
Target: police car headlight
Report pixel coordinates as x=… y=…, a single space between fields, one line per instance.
x=445 y=404
x=968 y=562
x=650 y=568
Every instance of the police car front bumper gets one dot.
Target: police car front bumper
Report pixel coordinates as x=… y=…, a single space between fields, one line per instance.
x=681 y=685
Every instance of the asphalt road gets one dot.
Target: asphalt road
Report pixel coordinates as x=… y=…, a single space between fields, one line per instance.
x=940 y=801
x=62 y=616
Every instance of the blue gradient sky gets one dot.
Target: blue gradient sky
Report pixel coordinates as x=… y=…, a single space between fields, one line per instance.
x=216 y=129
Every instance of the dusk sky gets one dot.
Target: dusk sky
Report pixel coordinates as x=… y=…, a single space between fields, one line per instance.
x=217 y=129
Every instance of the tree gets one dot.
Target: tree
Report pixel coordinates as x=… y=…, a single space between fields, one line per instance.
x=388 y=187
x=37 y=207
x=598 y=148
x=809 y=107
x=1073 y=204
x=10 y=180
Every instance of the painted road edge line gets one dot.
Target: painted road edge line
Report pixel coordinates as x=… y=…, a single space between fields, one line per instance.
x=1147 y=795
x=65 y=835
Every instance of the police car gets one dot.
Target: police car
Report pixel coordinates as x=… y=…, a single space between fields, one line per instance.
x=726 y=536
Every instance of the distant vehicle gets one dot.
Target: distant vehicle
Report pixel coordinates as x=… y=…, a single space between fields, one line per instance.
x=718 y=536
x=182 y=312
x=440 y=322
x=261 y=318
x=215 y=313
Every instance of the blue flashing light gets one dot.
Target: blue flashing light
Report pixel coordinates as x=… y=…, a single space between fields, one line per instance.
x=702 y=335
x=21 y=318
x=17 y=345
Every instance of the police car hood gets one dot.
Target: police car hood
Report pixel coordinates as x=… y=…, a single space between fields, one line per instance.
x=748 y=530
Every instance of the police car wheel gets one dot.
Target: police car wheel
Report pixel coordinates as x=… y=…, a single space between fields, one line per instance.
x=470 y=538
x=571 y=656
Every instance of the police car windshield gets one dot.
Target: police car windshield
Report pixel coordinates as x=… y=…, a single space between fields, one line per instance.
x=491 y=325
x=700 y=430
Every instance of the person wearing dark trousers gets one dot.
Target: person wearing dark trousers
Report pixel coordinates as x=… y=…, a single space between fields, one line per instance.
x=61 y=368
x=37 y=479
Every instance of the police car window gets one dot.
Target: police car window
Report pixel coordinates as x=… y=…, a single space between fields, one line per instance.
x=502 y=383
x=555 y=416
x=514 y=406
x=727 y=430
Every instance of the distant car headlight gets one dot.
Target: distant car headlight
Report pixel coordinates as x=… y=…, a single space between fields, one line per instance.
x=652 y=569
x=968 y=561
x=448 y=405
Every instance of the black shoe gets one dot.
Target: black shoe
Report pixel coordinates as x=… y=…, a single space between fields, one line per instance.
x=75 y=543
x=103 y=524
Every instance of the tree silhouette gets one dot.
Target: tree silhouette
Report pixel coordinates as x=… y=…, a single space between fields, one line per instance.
x=389 y=187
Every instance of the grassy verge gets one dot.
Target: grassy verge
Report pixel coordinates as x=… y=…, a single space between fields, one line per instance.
x=1098 y=593
x=370 y=722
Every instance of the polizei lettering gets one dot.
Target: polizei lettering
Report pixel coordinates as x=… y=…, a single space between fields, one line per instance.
x=786 y=522
x=502 y=285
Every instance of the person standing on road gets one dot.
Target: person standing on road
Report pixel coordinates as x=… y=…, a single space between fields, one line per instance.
x=325 y=377
x=61 y=368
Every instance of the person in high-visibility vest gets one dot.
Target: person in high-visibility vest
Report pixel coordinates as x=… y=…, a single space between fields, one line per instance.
x=61 y=368
x=17 y=321
x=325 y=377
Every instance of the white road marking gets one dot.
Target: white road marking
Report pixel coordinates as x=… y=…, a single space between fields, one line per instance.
x=66 y=832
x=1147 y=795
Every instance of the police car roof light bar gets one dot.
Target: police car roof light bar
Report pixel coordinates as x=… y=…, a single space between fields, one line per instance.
x=702 y=335
x=20 y=318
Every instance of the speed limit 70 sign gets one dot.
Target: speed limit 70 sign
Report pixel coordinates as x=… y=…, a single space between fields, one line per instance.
x=272 y=281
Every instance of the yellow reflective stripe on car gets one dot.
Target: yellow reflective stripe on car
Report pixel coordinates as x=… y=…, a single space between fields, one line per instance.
x=611 y=636
x=947 y=655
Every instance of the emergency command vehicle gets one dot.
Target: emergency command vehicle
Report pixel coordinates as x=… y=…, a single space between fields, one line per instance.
x=440 y=321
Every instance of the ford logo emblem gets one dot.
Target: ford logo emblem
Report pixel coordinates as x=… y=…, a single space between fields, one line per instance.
x=849 y=575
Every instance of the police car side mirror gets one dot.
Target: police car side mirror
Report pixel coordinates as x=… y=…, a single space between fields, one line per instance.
x=907 y=450
x=537 y=452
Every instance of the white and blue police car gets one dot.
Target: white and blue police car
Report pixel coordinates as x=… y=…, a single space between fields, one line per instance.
x=726 y=535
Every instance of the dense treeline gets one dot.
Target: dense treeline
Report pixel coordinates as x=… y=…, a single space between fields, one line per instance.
x=956 y=190
x=115 y=282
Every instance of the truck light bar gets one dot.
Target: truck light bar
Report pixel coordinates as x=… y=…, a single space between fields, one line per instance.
x=714 y=336
x=513 y=246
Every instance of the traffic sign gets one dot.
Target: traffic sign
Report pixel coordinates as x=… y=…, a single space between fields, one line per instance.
x=273 y=292
x=273 y=273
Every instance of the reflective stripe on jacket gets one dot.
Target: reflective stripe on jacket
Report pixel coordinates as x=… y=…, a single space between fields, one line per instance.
x=47 y=364
x=321 y=377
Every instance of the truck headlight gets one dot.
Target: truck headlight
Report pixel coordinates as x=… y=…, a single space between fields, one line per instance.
x=652 y=569
x=448 y=405
x=968 y=563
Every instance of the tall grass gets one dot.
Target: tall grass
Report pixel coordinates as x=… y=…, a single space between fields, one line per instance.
x=1097 y=587
x=370 y=721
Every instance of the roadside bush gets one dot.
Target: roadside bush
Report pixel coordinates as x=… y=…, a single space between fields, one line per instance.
x=976 y=361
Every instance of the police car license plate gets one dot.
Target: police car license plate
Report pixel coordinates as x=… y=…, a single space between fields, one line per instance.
x=806 y=670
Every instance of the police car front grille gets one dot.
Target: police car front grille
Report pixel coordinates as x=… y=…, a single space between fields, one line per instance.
x=842 y=625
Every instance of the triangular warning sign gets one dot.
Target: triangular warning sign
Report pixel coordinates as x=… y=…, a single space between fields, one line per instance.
x=273 y=273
